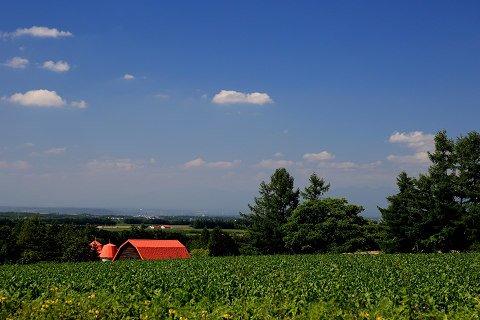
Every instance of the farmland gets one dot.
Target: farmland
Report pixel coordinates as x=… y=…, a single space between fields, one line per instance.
x=433 y=286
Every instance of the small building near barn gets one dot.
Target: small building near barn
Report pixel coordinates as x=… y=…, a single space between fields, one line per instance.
x=108 y=252
x=165 y=226
x=144 y=249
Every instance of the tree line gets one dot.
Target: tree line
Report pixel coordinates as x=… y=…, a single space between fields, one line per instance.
x=436 y=211
x=439 y=210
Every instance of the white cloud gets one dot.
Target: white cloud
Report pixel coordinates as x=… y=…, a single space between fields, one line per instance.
x=20 y=165
x=278 y=154
x=56 y=150
x=321 y=156
x=274 y=164
x=59 y=66
x=79 y=104
x=199 y=162
x=235 y=97
x=115 y=164
x=128 y=77
x=419 y=157
x=17 y=63
x=224 y=164
x=41 y=32
x=416 y=140
x=420 y=142
x=38 y=98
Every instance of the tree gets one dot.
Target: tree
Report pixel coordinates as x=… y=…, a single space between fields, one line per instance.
x=316 y=188
x=221 y=244
x=401 y=219
x=326 y=225
x=467 y=150
x=440 y=210
x=270 y=211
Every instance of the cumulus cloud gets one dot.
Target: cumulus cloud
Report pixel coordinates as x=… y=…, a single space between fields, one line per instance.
x=274 y=164
x=38 y=98
x=115 y=164
x=59 y=66
x=56 y=150
x=321 y=156
x=128 y=77
x=278 y=154
x=416 y=140
x=79 y=104
x=199 y=162
x=19 y=165
x=41 y=32
x=235 y=97
x=17 y=63
x=420 y=142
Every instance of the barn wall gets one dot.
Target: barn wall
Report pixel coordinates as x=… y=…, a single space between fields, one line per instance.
x=128 y=252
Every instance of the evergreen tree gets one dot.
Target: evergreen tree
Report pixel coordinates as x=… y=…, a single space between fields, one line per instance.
x=316 y=188
x=401 y=219
x=440 y=210
x=270 y=211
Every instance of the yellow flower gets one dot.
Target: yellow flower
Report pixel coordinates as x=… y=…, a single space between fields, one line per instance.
x=172 y=311
x=147 y=302
x=69 y=301
x=3 y=299
x=227 y=316
x=54 y=289
x=94 y=311
x=183 y=318
x=92 y=296
x=379 y=318
x=364 y=314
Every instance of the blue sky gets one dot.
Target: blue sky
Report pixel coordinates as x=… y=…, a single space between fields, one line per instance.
x=190 y=105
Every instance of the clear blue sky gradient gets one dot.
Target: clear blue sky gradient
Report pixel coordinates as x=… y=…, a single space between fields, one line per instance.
x=344 y=76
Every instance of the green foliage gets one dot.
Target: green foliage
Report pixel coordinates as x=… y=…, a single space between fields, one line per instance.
x=316 y=189
x=439 y=211
x=326 y=225
x=221 y=244
x=271 y=211
x=261 y=287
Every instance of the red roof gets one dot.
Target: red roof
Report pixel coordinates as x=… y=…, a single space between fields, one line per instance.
x=108 y=251
x=156 y=249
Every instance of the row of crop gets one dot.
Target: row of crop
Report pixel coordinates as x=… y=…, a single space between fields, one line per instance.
x=245 y=287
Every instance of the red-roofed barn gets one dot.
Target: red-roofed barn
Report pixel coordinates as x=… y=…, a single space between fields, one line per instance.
x=151 y=250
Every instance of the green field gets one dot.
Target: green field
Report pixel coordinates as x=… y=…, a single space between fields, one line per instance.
x=434 y=286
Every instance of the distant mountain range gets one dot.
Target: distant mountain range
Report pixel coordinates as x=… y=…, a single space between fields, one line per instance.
x=115 y=211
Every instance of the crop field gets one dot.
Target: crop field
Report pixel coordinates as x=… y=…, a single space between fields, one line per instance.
x=436 y=286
